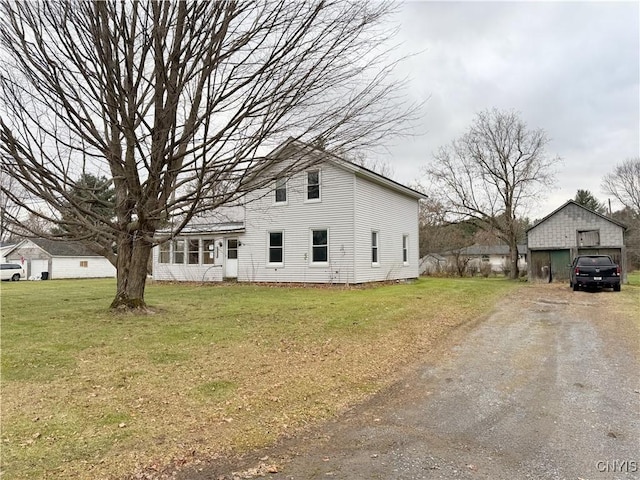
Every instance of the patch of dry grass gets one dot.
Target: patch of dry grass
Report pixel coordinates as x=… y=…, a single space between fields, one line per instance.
x=87 y=394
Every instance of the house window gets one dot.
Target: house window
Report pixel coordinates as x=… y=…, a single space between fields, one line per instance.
x=319 y=246
x=405 y=249
x=374 y=247
x=84 y=264
x=165 y=253
x=281 y=190
x=485 y=258
x=589 y=238
x=232 y=249
x=208 y=251
x=313 y=185
x=276 y=248
x=178 y=251
x=194 y=251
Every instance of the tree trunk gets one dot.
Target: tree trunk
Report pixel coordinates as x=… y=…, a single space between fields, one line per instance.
x=133 y=254
x=514 y=273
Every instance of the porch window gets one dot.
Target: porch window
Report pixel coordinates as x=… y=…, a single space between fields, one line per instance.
x=405 y=249
x=374 y=247
x=276 y=248
x=178 y=251
x=319 y=246
x=194 y=251
x=281 y=190
x=208 y=251
x=313 y=185
x=165 y=253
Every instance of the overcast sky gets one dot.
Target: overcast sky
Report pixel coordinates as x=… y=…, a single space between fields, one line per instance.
x=570 y=68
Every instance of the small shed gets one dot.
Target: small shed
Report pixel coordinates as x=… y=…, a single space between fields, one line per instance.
x=43 y=258
x=568 y=231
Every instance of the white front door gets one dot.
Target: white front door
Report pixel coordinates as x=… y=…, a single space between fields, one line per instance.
x=231 y=258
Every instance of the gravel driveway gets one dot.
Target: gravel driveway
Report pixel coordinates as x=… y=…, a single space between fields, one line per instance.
x=547 y=387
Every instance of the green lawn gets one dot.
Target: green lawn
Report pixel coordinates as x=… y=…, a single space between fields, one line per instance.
x=89 y=394
x=634 y=278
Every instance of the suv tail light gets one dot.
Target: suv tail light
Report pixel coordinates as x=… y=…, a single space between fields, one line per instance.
x=618 y=271
x=577 y=272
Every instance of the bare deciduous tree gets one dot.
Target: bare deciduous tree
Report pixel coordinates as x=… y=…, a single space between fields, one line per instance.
x=624 y=184
x=177 y=102
x=492 y=173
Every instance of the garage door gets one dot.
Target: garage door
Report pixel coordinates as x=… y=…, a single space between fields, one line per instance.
x=37 y=267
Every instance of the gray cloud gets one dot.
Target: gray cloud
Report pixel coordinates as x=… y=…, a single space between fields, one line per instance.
x=572 y=69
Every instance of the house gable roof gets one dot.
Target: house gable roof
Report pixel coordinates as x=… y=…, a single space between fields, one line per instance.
x=572 y=202
x=61 y=248
x=349 y=166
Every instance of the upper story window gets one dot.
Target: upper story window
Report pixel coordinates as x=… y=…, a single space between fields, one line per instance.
x=374 y=247
x=319 y=246
x=588 y=238
x=313 y=185
x=281 y=190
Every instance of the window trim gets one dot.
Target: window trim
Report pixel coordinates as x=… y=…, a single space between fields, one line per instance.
x=405 y=249
x=190 y=251
x=211 y=241
x=269 y=247
x=375 y=248
x=175 y=251
x=275 y=191
x=323 y=263
x=306 y=186
x=168 y=258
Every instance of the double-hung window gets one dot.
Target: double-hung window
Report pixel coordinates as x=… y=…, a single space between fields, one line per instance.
x=320 y=246
x=281 y=190
x=208 y=251
x=374 y=247
x=193 y=256
x=276 y=248
x=165 y=253
x=313 y=185
x=405 y=249
x=178 y=251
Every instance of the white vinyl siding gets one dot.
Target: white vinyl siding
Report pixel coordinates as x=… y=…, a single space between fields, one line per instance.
x=69 y=267
x=393 y=216
x=296 y=220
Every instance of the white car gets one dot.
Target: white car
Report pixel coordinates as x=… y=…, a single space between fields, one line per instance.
x=12 y=271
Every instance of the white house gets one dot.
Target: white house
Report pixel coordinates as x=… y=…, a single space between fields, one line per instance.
x=333 y=222
x=59 y=259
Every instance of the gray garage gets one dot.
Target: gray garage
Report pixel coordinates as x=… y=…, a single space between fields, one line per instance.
x=572 y=230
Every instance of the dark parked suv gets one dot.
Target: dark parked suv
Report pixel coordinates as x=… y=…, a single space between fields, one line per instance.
x=591 y=271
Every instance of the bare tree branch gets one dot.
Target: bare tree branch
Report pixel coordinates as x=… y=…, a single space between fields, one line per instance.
x=492 y=174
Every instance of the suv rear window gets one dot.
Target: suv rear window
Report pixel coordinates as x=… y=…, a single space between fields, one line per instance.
x=597 y=261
